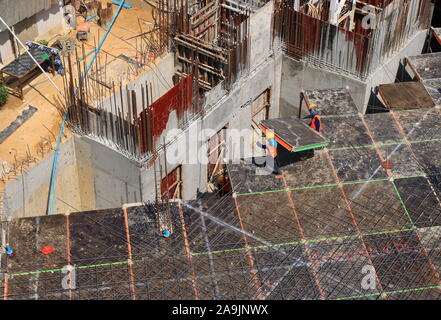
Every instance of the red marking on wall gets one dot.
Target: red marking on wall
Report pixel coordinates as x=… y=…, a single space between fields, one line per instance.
x=178 y=98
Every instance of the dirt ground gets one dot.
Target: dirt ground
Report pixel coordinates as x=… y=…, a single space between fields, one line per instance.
x=36 y=138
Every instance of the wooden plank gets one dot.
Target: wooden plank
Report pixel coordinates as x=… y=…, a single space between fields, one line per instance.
x=405 y=96
x=293 y=134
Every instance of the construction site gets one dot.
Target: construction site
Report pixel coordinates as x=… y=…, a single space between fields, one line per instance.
x=220 y=150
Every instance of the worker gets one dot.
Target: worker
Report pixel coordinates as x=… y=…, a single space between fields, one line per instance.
x=166 y=234
x=223 y=184
x=271 y=152
x=316 y=122
x=9 y=252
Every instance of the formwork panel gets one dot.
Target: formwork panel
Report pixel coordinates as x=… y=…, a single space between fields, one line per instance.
x=309 y=172
x=426 y=155
x=220 y=228
x=382 y=128
x=108 y=282
x=154 y=281
x=338 y=265
x=332 y=101
x=283 y=273
x=376 y=207
x=27 y=238
x=420 y=294
x=268 y=218
x=431 y=240
x=403 y=159
x=145 y=233
x=234 y=276
x=144 y=230
x=420 y=125
x=206 y=281
x=400 y=261
x=344 y=132
x=40 y=286
x=98 y=237
x=434 y=88
x=420 y=200
x=244 y=179
x=358 y=165
x=323 y=213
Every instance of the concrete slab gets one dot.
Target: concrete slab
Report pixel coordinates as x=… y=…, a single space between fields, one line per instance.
x=42 y=286
x=405 y=96
x=110 y=282
x=28 y=236
x=357 y=165
x=98 y=237
x=323 y=213
x=433 y=87
x=420 y=125
x=332 y=101
x=404 y=160
x=431 y=238
x=153 y=276
x=260 y=220
x=376 y=207
x=426 y=66
x=343 y=132
x=382 y=128
x=244 y=179
x=205 y=237
x=421 y=202
x=295 y=280
x=338 y=264
x=310 y=172
x=424 y=153
x=234 y=275
x=397 y=258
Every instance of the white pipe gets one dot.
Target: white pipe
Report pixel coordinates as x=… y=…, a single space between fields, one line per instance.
x=27 y=51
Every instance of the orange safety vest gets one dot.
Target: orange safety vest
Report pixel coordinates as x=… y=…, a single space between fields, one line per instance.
x=313 y=123
x=272 y=151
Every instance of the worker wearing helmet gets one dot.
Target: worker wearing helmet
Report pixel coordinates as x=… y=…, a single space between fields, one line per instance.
x=271 y=152
x=316 y=122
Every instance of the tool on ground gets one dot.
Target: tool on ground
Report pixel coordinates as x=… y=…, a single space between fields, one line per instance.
x=47 y=250
x=9 y=252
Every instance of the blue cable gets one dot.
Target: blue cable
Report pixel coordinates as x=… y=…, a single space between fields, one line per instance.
x=57 y=148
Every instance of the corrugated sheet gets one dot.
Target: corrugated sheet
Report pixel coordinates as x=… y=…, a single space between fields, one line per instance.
x=14 y=11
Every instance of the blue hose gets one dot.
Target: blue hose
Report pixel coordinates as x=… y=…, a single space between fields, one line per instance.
x=57 y=148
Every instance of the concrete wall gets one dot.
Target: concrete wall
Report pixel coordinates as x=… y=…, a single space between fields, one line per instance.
x=89 y=176
x=160 y=77
x=222 y=108
x=298 y=75
x=29 y=194
x=232 y=108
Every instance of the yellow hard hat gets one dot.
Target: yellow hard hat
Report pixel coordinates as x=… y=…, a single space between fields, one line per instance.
x=269 y=134
x=312 y=105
